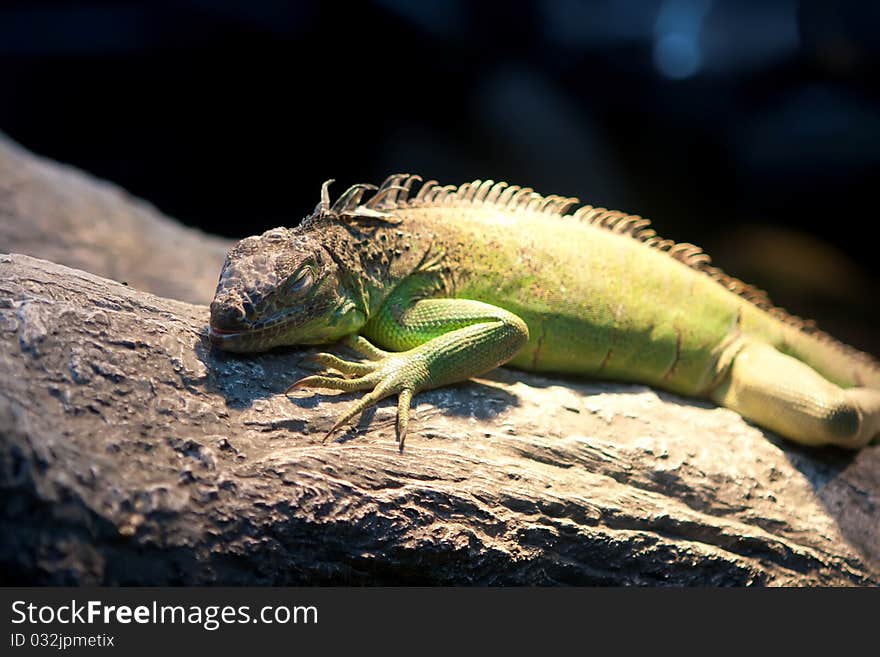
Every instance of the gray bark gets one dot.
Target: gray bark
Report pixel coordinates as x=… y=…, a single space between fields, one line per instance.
x=132 y=453
x=58 y=213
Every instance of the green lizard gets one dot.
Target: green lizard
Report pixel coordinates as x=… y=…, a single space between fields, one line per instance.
x=454 y=281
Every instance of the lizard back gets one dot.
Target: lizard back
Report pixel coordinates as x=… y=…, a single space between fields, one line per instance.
x=602 y=294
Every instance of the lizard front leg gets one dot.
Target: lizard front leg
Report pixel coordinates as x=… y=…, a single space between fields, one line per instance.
x=434 y=341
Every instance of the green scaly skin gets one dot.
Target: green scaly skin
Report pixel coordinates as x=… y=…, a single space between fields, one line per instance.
x=453 y=282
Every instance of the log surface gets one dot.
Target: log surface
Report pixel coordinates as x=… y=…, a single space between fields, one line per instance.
x=133 y=453
x=55 y=212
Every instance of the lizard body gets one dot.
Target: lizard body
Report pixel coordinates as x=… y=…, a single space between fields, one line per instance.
x=454 y=281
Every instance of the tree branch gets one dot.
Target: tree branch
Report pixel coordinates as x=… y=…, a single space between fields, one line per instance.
x=58 y=213
x=132 y=453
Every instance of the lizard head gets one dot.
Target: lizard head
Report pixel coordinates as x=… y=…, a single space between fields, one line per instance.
x=281 y=288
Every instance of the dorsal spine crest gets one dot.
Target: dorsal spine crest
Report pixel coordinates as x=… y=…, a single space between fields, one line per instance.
x=395 y=194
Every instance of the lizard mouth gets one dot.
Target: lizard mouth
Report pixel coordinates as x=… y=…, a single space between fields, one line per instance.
x=219 y=332
x=247 y=338
x=219 y=336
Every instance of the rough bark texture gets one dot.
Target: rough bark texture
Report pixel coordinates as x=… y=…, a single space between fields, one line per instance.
x=132 y=453
x=58 y=213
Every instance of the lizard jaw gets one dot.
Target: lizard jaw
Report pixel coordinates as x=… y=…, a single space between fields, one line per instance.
x=224 y=339
x=257 y=337
x=221 y=334
x=246 y=339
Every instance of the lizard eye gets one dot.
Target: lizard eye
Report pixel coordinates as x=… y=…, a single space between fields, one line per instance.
x=300 y=283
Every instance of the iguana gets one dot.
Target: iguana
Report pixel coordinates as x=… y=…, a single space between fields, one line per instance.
x=455 y=281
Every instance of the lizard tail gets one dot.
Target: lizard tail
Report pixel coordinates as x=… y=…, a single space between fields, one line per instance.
x=844 y=365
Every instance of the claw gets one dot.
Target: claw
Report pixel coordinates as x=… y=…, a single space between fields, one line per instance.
x=359 y=406
x=381 y=376
x=334 y=383
x=305 y=382
x=403 y=403
x=404 y=400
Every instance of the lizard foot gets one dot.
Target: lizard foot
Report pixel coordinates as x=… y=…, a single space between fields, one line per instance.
x=387 y=374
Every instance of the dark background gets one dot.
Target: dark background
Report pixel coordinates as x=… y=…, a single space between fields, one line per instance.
x=751 y=128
